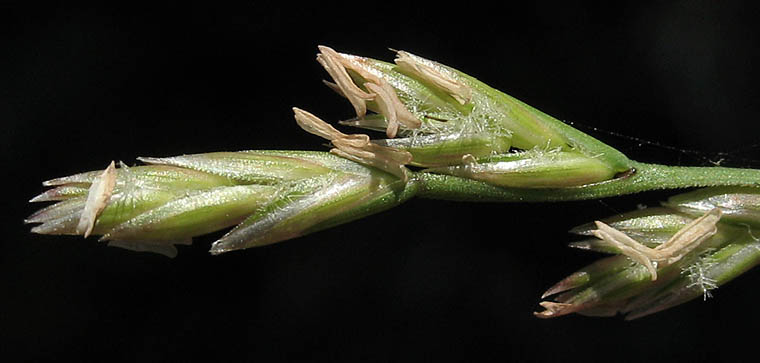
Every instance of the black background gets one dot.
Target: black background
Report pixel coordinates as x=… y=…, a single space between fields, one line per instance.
x=426 y=281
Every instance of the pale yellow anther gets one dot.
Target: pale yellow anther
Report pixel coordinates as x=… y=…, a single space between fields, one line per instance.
x=386 y=106
x=385 y=158
x=627 y=246
x=426 y=70
x=334 y=65
x=97 y=199
x=314 y=125
x=684 y=241
x=378 y=89
x=691 y=236
x=403 y=115
x=392 y=108
x=356 y=147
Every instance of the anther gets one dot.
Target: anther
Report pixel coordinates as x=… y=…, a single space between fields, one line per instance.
x=332 y=62
x=356 y=147
x=684 y=241
x=415 y=65
x=97 y=199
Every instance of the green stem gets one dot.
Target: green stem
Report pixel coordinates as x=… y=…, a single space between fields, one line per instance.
x=646 y=177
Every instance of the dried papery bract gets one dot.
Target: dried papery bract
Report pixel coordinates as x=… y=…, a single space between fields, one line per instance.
x=97 y=199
